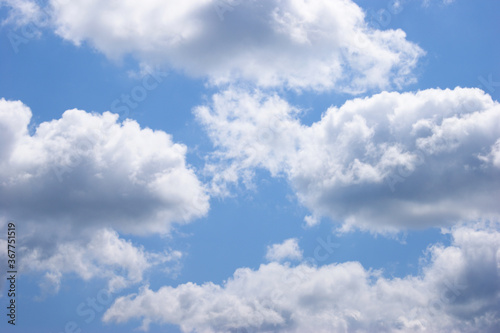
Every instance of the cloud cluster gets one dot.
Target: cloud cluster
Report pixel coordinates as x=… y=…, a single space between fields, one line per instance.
x=383 y=163
x=387 y=162
x=86 y=171
x=105 y=255
x=458 y=290
x=76 y=179
x=288 y=250
x=319 y=44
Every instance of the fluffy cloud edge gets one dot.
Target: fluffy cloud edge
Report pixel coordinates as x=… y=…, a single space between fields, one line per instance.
x=88 y=170
x=316 y=45
x=105 y=256
x=458 y=290
x=288 y=249
x=368 y=163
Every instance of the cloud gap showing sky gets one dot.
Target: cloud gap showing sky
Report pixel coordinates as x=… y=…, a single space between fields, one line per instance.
x=90 y=190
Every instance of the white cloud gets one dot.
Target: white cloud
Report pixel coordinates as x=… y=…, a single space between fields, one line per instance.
x=79 y=178
x=384 y=163
x=319 y=44
x=22 y=12
x=289 y=249
x=494 y=155
x=458 y=291
x=105 y=255
x=86 y=171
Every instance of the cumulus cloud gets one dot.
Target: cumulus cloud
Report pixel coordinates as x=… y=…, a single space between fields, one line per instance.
x=86 y=171
x=385 y=163
x=289 y=249
x=458 y=290
x=79 y=178
x=320 y=44
x=105 y=255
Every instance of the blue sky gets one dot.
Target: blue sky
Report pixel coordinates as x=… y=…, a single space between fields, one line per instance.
x=240 y=166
